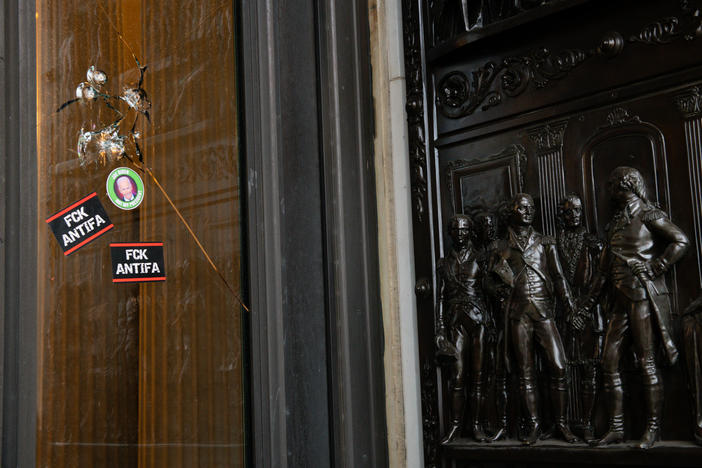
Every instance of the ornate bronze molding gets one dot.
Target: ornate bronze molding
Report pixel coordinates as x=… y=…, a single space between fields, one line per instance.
x=415 y=106
x=460 y=96
x=689 y=103
x=660 y=32
x=620 y=116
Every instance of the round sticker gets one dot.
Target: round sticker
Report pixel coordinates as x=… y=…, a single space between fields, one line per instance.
x=125 y=188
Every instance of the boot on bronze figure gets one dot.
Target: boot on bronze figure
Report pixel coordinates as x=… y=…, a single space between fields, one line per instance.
x=559 y=397
x=529 y=401
x=501 y=397
x=589 y=392
x=475 y=403
x=458 y=404
x=615 y=406
x=653 y=396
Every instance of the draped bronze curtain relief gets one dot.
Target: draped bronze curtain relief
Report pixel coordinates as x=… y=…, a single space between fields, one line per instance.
x=147 y=375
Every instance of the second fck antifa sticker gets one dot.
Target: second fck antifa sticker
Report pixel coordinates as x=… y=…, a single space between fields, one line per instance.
x=136 y=262
x=125 y=188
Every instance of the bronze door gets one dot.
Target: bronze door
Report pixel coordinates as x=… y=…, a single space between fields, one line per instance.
x=548 y=98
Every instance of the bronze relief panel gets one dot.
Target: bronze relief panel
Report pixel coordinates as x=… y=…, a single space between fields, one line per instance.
x=569 y=166
x=558 y=238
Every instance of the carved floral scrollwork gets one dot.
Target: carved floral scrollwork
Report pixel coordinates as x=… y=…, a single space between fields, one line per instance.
x=547 y=66
x=660 y=32
x=460 y=96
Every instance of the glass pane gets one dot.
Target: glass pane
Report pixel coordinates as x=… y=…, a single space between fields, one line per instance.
x=141 y=374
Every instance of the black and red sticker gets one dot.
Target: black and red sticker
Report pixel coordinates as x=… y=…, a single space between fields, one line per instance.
x=81 y=223
x=134 y=262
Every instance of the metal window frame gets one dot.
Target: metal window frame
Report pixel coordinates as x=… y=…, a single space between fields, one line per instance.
x=335 y=146
x=18 y=228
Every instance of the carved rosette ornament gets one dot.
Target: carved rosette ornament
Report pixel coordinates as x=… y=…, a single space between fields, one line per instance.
x=689 y=103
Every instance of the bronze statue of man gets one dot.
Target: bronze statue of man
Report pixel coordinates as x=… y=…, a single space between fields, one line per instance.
x=528 y=263
x=579 y=252
x=643 y=244
x=461 y=325
x=495 y=294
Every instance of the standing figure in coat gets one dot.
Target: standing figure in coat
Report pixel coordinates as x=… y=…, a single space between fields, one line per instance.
x=579 y=252
x=460 y=336
x=643 y=244
x=528 y=263
x=495 y=294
